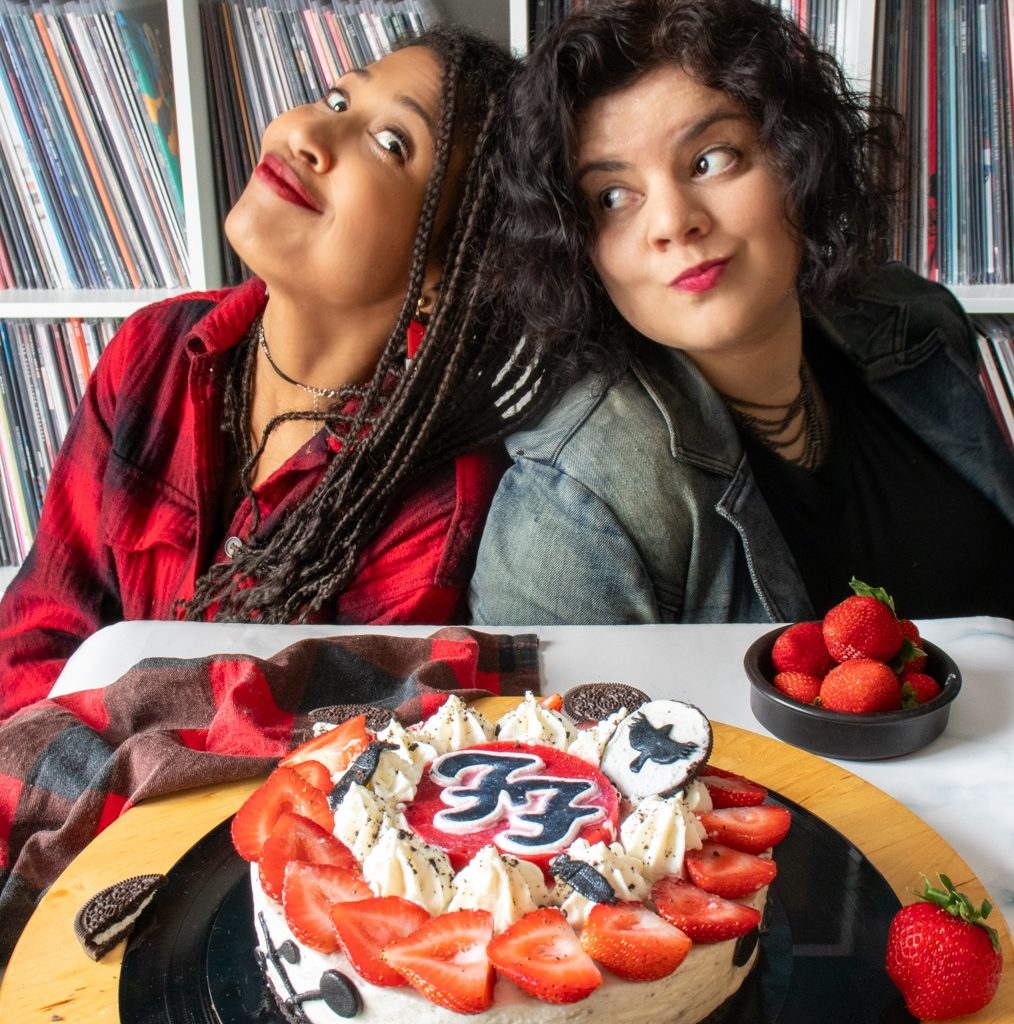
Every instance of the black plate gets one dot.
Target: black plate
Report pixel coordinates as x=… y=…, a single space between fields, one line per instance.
x=191 y=958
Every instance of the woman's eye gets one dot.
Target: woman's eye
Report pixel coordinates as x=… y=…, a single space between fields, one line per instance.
x=337 y=100
x=614 y=198
x=394 y=142
x=714 y=162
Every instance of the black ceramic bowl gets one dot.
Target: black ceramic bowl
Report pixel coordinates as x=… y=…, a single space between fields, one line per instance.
x=850 y=737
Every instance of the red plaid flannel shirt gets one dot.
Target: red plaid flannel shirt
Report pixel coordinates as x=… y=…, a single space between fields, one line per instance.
x=130 y=519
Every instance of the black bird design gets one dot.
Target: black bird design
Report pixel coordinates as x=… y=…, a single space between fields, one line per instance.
x=653 y=743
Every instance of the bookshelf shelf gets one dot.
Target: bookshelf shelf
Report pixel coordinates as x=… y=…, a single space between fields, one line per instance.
x=57 y=304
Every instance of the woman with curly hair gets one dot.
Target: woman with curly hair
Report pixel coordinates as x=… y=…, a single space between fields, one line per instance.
x=698 y=207
x=320 y=443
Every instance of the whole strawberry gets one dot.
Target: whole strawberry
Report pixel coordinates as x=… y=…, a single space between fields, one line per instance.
x=799 y=685
x=863 y=626
x=859 y=687
x=941 y=955
x=801 y=648
x=912 y=655
x=917 y=688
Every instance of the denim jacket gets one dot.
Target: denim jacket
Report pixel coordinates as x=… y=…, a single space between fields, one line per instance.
x=634 y=502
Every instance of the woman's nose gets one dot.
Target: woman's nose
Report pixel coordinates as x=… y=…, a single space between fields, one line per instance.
x=676 y=214
x=313 y=139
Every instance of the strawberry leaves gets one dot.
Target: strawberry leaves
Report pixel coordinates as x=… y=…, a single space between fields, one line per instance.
x=958 y=905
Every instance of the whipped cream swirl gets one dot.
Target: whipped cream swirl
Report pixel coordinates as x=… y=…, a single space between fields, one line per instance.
x=589 y=743
x=625 y=875
x=360 y=818
x=401 y=864
x=533 y=722
x=453 y=727
x=505 y=886
x=658 y=832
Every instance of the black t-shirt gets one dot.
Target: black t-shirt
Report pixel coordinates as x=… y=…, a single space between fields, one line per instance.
x=883 y=507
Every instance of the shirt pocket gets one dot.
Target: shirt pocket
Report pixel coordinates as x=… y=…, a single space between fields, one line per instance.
x=149 y=528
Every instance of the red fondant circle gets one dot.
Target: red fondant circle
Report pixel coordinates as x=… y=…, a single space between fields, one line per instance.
x=460 y=848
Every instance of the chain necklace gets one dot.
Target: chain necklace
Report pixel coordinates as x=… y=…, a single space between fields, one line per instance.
x=769 y=429
x=349 y=390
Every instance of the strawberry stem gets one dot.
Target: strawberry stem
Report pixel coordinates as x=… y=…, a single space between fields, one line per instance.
x=906 y=653
x=958 y=905
x=865 y=590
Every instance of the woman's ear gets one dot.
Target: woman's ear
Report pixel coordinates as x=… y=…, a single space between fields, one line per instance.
x=428 y=296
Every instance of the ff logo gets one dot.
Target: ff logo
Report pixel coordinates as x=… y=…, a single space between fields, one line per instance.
x=527 y=800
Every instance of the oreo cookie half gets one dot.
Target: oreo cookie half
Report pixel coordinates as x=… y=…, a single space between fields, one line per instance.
x=592 y=702
x=377 y=718
x=110 y=914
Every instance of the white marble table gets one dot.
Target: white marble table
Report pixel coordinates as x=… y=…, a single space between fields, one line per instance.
x=962 y=784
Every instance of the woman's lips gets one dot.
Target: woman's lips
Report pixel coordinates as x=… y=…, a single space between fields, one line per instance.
x=700 y=278
x=278 y=177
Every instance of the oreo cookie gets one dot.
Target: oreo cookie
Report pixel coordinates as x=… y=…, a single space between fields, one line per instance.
x=110 y=914
x=658 y=749
x=377 y=718
x=592 y=702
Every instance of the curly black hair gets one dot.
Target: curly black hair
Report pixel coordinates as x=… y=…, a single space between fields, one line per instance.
x=837 y=152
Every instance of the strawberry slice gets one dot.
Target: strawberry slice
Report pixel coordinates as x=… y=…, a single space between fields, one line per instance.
x=309 y=891
x=727 y=872
x=314 y=773
x=445 y=959
x=633 y=942
x=297 y=838
x=702 y=915
x=542 y=955
x=335 y=749
x=553 y=701
x=727 y=789
x=750 y=829
x=365 y=927
x=284 y=790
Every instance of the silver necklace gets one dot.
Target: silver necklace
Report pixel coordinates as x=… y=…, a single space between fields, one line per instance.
x=317 y=393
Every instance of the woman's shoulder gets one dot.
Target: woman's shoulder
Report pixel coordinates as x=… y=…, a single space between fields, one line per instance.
x=594 y=409
x=898 y=311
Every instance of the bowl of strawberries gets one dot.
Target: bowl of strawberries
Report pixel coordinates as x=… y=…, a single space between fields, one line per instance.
x=861 y=684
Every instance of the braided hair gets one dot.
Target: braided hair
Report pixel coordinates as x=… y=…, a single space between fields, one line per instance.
x=472 y=381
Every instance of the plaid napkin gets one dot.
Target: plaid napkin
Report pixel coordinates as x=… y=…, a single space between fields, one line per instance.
x=71 y=765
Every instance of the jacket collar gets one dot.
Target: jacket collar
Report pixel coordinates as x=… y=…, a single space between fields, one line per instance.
x=701 y=429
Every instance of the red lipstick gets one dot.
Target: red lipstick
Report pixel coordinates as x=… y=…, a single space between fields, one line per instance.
x=282 y=180
x=700 y=278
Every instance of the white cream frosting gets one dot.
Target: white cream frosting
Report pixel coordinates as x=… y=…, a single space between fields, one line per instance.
x=625 y=875
x=411 y=747
x=589 y=743
x=401 y=864
x=533 y=722
x=454 y=726
x=505 y=886
x=395 y=778
x=658 y=833
x=697 y=797
x=360 y=819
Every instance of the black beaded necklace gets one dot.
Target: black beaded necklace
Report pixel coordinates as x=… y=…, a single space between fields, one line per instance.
x=768 y=429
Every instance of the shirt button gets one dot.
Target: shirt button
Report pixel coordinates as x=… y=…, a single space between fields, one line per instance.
x=233 y=546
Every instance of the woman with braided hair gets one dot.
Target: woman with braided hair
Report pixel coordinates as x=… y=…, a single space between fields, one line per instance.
x=319 y=443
